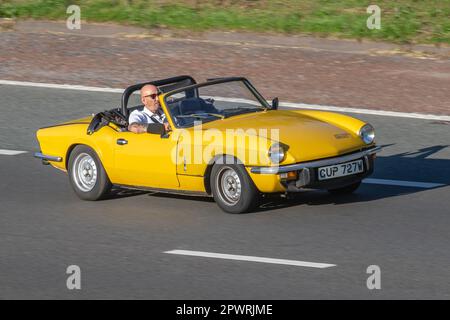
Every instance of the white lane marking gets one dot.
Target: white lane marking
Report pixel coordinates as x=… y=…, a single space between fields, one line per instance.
x=366 y=111
x=282 y=104
x=414 y=184
x=11 y=152
x=59 y=86
x=251 y=258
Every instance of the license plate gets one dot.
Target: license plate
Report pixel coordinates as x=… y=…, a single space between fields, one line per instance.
x=340 y=170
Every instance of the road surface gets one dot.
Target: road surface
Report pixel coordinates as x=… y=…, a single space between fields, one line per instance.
x=120 y=243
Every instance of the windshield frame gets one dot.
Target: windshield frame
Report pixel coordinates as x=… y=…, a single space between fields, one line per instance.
x=264 y=104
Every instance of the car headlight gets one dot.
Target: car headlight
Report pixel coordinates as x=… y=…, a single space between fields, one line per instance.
x=367 y=133
x=276 y=153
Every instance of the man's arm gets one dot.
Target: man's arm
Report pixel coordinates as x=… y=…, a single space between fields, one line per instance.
x=138 y=127
x=157 y=128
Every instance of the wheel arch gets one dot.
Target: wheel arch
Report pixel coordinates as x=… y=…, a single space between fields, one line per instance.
x=68 y=153
x=211 y=163
x=81 y=143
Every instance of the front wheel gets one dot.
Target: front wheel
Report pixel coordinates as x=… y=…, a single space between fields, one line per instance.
x=347 y=189
x=87 y=175
x=232 y=188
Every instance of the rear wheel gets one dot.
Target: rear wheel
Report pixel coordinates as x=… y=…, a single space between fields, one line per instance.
x=347 y=189
x=232 y=188
x=87 y=175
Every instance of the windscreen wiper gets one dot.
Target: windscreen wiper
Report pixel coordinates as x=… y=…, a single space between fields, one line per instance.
x=201 y=115
x=241 y=110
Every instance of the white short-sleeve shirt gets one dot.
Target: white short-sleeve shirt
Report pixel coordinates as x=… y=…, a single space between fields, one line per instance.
x=144 y=115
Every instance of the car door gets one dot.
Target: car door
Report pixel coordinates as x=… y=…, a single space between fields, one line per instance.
x=145 y=160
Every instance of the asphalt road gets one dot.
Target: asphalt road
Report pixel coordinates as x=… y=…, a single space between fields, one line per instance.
x=119 y=243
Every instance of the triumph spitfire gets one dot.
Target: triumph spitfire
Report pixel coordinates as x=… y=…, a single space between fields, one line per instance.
x=225 y=141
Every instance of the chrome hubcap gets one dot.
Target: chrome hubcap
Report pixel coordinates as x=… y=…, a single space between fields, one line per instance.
x=229 y=186
x=84 y=172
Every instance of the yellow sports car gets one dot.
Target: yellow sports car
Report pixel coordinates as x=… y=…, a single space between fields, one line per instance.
x=224 y=140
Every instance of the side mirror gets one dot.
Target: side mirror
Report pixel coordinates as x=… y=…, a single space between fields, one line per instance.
x=275 y=102
x=155 y=128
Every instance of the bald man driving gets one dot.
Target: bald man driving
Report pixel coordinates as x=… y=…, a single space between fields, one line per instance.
x=151 y=118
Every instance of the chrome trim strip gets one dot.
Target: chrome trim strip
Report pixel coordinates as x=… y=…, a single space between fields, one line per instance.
x=169 y=191
x=41 y=156
x=314 y=164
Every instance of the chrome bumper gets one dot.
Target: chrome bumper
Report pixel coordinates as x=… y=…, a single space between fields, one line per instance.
x=314 y=164
x=46 y=158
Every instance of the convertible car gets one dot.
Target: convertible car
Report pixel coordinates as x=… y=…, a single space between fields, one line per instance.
x=225 y=140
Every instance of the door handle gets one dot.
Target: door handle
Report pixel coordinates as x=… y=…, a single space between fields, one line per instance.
x=122 y=142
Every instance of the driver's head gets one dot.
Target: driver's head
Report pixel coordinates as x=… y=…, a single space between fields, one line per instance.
x=149 y=97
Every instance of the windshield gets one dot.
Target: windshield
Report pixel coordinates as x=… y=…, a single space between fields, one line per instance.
x=210 y=102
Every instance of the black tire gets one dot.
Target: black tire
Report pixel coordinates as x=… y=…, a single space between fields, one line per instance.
x=83 y=165
x=249 y=195
x=347 y=189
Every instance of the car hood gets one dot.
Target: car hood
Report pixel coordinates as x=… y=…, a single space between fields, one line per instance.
x=307 y=138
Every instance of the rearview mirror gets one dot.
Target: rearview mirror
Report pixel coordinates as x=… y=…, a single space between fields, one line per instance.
x=275 y=102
